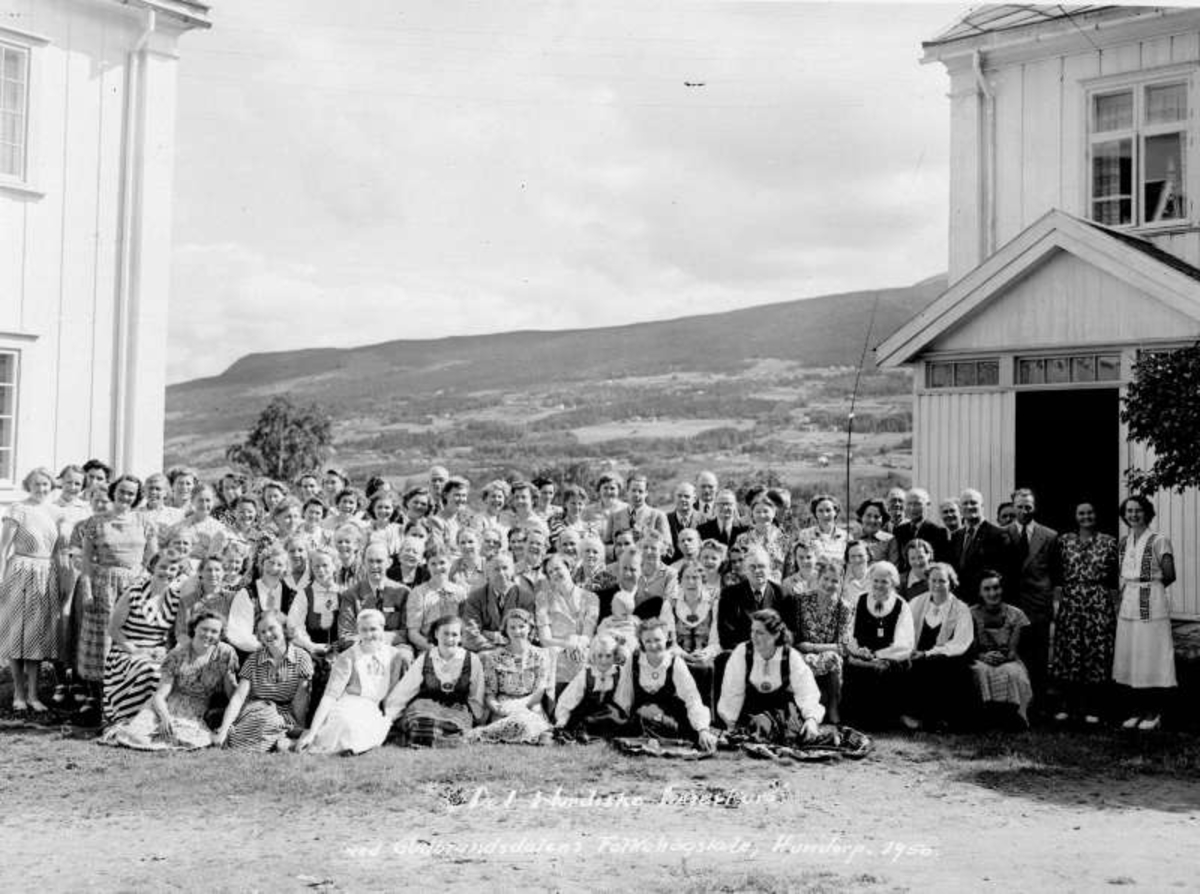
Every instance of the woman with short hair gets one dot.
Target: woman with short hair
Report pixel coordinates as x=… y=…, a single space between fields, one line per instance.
x=1144 y=652
x=517 y=679
x=764 y=532
x=939 y=688
x=200 y=668
x=658 y=693
x=495 y=496
x=768 y=689
x=1000 y=676
x=881 y=642
x=873 y=517
x=587 y=707
x=29 y=598
x=919 y=553
x=825 y=536
x=268 y=592
x=441 y=695
x=349 y=717
x=821 y=622
x=272 y=694
x=567 y=616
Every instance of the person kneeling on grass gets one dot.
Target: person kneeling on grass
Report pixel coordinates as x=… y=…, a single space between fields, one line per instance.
x=587 y=707
x=440 y=697
x=349 y=718
x=659 y=694
x=271 y=699
x=768 y=689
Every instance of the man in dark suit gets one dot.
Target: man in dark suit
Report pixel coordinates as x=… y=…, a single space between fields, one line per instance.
x=629 y=579
x=741 y=600
x=375 y=590
x=1034 y=572
x=682 y=517
x=916 y=504
x=483 y=611
x=979 y=545
x=706 y=495
x=725 y=528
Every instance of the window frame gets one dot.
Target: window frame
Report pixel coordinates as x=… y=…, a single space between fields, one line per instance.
x=10 y=481
x=1136 y=84
x=1069 y=360
x=29 y=43
x=953 y=363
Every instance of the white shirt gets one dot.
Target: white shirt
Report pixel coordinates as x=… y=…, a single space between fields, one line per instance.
x=902 y=639
x=447 y=670
x=768 y=671
x=570 y=698
x=241 y=614
x=685 y=687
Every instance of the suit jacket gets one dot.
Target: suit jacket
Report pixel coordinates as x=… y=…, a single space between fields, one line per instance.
x=711 y=530
x=989 y=549
x=1036 y=573
x=676 y=525
x=929 y=531
x=735 y=606
x=392 y=600
x=641 y=520
x=483 y=611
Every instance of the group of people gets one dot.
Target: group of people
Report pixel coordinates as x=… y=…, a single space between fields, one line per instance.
x=320 y=618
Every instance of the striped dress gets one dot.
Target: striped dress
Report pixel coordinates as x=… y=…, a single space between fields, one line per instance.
x=130 y=680
x=29 y=609
x=266 y=716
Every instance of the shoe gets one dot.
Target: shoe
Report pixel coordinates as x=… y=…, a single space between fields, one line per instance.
x=1132 y=722
x=1150 y=723
x=19 y=707
x=37 y=707
x=1062 y=716
x=60 y=694
x=1091 y=719
x=912 y=724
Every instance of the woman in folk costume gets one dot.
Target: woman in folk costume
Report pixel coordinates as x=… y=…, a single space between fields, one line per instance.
x=1144 y=656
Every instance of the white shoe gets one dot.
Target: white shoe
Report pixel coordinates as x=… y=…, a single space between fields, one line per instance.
x=1091 y=719
x=1132 y=722
x=1150 y=723
x=1062 y=716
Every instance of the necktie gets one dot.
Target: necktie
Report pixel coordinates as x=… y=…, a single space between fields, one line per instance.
x=1024 y=541
x=968 y=539
x=379 y=595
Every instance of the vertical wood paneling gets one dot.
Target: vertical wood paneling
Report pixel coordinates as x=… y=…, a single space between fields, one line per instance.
x=962 y=440
x=1074 y=135
x=1120 y=59
x=1185 y=47
x=1156 y=51
x=965 y=176
x=1041 y=151
x=1010 y=162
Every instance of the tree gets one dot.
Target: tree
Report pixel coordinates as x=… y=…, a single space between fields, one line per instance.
x=286 y=441
x=1161 y=407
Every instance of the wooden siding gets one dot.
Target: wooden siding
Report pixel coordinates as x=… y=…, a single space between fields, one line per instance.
x=965 y=439
x=1040 y=144
x=1066 y=301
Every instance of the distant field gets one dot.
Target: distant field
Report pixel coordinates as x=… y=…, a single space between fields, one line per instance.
x=657 y=428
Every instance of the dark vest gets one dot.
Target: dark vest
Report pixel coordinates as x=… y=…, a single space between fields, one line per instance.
x=286 y=595
x=434 y=689
x=759 y=702
x=871 y=632
x=312 y=622
x=665 y=697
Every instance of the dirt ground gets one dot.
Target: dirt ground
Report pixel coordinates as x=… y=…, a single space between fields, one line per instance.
x=952 y=813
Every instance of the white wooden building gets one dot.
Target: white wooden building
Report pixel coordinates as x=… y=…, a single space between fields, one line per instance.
x=1074 y=245
x=87 y=136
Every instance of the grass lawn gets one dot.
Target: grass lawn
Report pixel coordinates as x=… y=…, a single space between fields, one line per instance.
x=1034 y=811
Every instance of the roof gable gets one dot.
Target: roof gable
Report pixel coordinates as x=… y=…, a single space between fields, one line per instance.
x=1113 y=258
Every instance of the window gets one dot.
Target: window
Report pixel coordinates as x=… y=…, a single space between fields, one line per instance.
x=1137 y=143
x=962 y=374
x=14 y=101
x=8 y=412
x=1071 y=370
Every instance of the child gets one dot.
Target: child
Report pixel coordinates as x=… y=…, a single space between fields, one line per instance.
x=586 y=707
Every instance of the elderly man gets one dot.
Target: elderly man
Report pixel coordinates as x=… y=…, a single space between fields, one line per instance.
x=725 y=528
x=977 y=546
x=894 y=501
x=484 y=609
x=683 y=516
x=741 y=600
x=916 y=525
x=1033 y=581
x=706 y=495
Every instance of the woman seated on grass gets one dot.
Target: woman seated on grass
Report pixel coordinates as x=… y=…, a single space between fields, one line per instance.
x=516 y=679
x=441 y=695
x=939 y=688
x=587 y=707
x=768 y=689
x=349 y=718
x=272 y=693
x=881 y=642
x=199 y=669
x=658 y=693
x=821 y=624
x=1000 y=676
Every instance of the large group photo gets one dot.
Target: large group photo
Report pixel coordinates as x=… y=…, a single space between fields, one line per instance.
x=692 y=446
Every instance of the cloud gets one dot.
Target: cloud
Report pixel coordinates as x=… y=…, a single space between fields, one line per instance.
x=418 y=171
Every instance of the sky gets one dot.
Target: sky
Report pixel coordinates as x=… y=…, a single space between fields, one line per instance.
x=369 y=170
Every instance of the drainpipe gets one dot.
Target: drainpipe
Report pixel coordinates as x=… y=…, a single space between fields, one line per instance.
x=126 y=291
x=987 y=158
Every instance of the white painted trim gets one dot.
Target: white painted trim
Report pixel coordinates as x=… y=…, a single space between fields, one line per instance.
x=19 y=337
x=22 y=187
x=19 y=35
x=1054 y=231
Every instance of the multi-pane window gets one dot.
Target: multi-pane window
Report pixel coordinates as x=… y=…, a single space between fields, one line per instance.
x=14 y=102
x=962 y=373
x=1069 y=370
x=8 y=413
x=1138 y=148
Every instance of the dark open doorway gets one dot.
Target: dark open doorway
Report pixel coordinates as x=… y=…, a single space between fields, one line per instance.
x=1068 y=451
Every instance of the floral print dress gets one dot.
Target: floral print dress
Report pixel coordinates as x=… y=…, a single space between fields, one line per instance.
x=1086 y=626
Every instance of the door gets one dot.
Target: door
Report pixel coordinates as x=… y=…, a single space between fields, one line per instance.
x=1068 y=452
